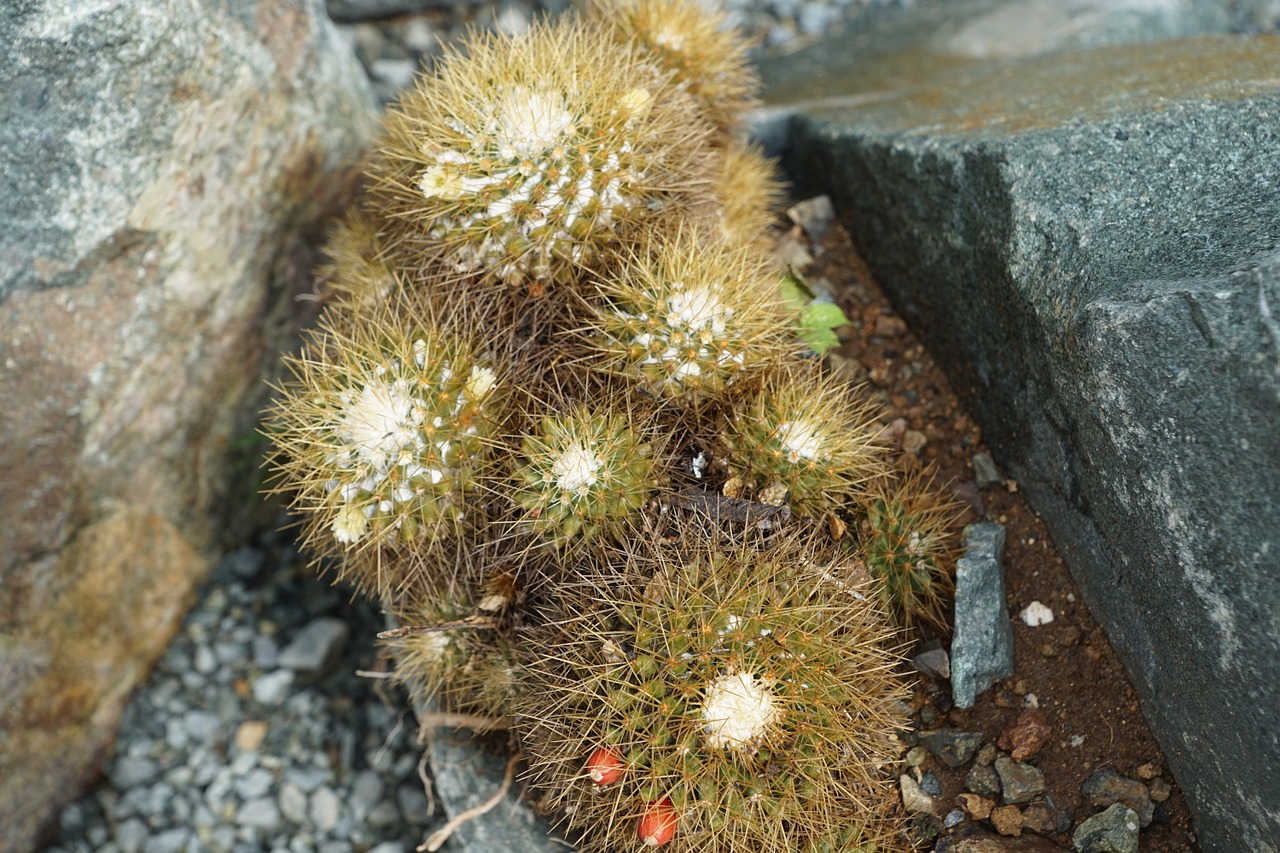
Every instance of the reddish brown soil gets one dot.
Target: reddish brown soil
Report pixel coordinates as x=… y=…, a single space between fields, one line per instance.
x=1081 y=689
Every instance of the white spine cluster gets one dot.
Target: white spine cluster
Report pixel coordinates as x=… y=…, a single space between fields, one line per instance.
x=801 y=439
x=694 y=335
x=738 y=711
x=532 y=177
x=395 y=439
x=575 y=470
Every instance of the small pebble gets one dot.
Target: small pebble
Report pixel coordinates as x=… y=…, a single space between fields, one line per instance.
x=913 y=798
x=1036 y=614
x=249 y=735
x=979 y=808
x=1020 y=782
x=1112 y=831
x=954 y=817
x=1007 y=820
x=985 y=473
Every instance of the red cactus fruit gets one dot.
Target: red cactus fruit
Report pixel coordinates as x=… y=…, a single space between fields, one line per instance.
x=657 y=825
x=604 y=766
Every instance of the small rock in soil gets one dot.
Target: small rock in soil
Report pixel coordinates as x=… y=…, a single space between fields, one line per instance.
x=985 y=473
x=1106 y=787
x=913 y=798
x=979 y=808
x=935 y=663
x=1112 y=831
x=1160 y=790
x=1043 y=818
x=1019 y=781
x=1025 y=737
x=982 y=647
x=974 y=840
x=982 y=780
x=1036 y=614
x=814 y=215
x=1007 y=820
x=316 y=646
x=955 y=817
x=953 y=747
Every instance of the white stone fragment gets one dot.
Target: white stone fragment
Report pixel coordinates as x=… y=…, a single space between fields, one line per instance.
x=1036 y=614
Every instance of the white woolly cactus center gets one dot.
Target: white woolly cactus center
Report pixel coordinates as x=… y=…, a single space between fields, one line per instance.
x=396 y=439
x=529 y=122
x=738 y=710
x=531 y=181
x=801 y=439
x=693 y=317
x=575 y=469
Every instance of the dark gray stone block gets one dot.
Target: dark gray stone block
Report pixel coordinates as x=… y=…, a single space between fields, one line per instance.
x=982 y=648
x=1089 y=240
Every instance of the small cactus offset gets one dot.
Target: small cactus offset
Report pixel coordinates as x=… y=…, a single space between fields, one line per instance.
x=908 y=546
x=557 y=420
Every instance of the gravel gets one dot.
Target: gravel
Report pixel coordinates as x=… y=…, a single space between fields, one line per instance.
x=334 y=760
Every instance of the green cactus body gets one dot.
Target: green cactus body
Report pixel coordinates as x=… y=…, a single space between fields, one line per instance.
x=909 y=549
x=737 y=684
x=803 y=437
x=522 y=160
x=383 y=431
x=582 y=471
x=690 y=315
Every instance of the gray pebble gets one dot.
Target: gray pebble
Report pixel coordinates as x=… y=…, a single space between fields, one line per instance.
x=389 y=847
x=131 y=834
x=413 y=803
x=129 y=772
x=953 y=747
x=255 y=784
x=954 y=817
x=261 y=813
x=383 y=815
x=169 y=841
x=205 y=661
x=308 y=779
x=316 y=645
x=982 y=646
x=1020 y=782
x=983 y=781
x=202 y=727
x=985 y=472
x=1112 y=831
x=293 y=803
x=273 y=687
x=365 y=793
x=1106 y=787
x=336 y=847
x=266 y=652
x=325 y=809
x=935 y=663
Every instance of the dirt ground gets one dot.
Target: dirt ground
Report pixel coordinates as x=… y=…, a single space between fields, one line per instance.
x=1066 y=668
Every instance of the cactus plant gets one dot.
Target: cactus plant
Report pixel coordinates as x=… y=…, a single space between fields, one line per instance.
x=688 y=314
x=551 y=391
x=582 y=471
x=744 y=691
x=382 y=431
x=803 y=439
x=519 y=161
x=909 y=549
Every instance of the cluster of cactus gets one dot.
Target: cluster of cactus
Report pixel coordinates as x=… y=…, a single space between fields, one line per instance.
x=557 y=420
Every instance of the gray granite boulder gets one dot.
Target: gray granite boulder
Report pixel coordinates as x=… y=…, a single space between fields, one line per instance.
x=162 y=176
x=1088 y=237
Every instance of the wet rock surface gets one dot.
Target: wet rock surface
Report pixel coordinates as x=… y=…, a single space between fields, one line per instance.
x=1084 y=234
